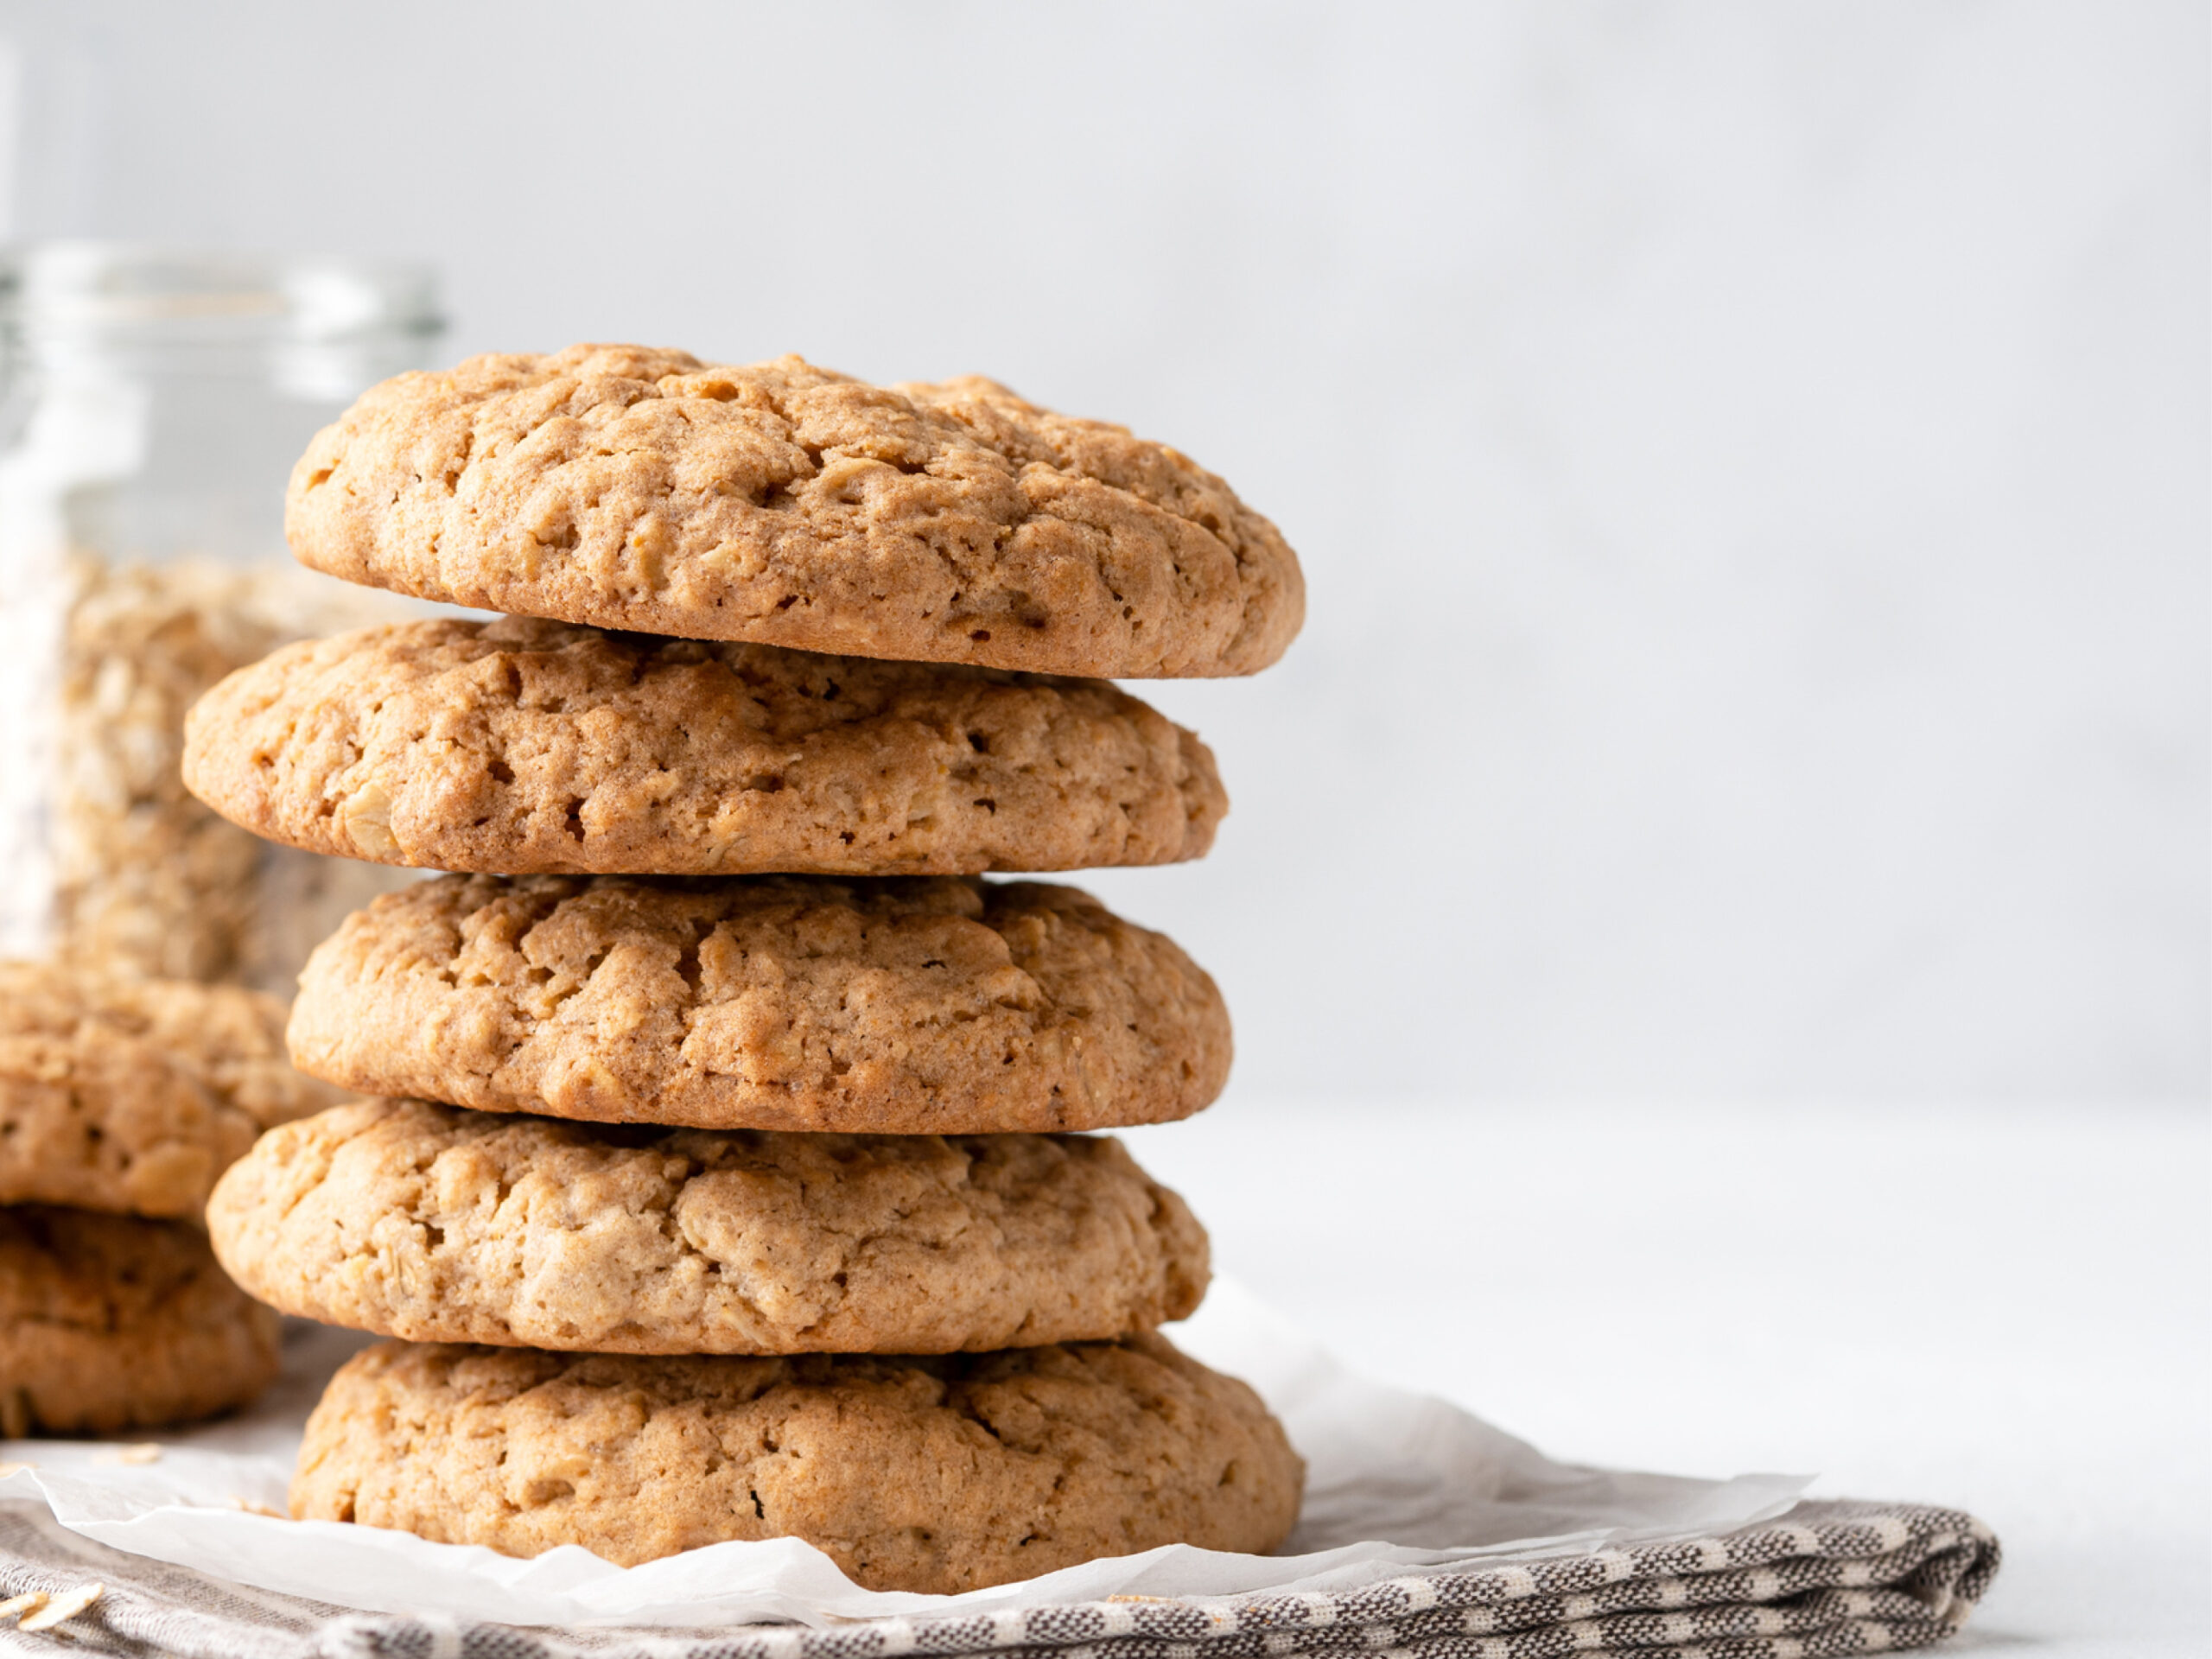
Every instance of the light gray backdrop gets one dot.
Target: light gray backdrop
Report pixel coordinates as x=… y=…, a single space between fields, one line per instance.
x=1750 y=460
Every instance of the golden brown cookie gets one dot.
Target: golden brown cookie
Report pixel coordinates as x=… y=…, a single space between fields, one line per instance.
x=132 y=1095
x=112 y=1322
x=526 y=746
x=937 y=1005
x=444 y=1225
x=937 y=1475
x=788 y=505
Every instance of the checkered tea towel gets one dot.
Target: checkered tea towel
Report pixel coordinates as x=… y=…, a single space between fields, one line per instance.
x=1826 y=1578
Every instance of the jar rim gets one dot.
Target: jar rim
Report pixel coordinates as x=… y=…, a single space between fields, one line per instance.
x=150 y=292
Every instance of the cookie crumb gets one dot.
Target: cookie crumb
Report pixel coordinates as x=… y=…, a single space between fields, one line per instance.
x=134 y=1455
x=253 y=1508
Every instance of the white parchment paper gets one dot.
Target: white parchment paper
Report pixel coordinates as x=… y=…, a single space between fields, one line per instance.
x=1396 y=1481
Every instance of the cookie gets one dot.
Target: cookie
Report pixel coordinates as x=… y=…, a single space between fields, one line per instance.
x=921 y=1005
x=788 y=505
x=132 y=1095
x=526 y=746
x=443 y=1225
x=112 y=1322
x=936 y=1475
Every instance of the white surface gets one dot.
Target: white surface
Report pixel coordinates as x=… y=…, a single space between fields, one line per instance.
x=1751 y=460
x=1394 y=1481
x=2006 y=1309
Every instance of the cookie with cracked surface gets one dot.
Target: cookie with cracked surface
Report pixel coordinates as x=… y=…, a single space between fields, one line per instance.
x=115 y=1322
x=937 y=1475
x=132 y=1095
x=783 y=504
x=523 y=746
x=908 y=1005
x=440 y=1225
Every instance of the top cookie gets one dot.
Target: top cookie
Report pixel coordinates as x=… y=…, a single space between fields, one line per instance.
x=782 y=504
x=132 y=1095
x=522 y=745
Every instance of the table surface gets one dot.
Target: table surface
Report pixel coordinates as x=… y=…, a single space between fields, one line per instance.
x=2005 y=1309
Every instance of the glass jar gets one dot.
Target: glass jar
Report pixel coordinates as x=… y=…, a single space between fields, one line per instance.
x=151 y=406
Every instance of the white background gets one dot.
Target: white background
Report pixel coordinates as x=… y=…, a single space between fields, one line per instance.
x=1751 y=464
x=1750 y=460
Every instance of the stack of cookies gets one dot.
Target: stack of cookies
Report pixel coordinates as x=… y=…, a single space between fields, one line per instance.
x=728 y=1176
x=121 y=1101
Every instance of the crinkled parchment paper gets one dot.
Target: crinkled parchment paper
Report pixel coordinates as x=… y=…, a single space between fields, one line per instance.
x=1395 y=1481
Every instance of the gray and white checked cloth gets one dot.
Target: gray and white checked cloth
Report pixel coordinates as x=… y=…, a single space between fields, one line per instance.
x=1828 y=1577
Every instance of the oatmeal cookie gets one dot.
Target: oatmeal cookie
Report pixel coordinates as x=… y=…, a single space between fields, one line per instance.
x=785 y=505
x=132 y=1095
x=439 y=1224
x=112 y=1322
x=522 y=746
x=937 y=1475
x=937 y=1005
